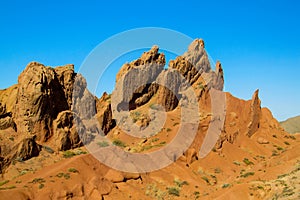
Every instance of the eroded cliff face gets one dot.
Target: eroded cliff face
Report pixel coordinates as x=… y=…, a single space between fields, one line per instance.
x=41 y=107
x=138 y=81
x=53 y=106
x=39 y=99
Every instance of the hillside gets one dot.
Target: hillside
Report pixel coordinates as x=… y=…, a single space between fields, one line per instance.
x=162 y=134
x=291 y=125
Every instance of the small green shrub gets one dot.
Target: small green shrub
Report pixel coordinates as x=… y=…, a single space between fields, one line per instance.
x=205 y=179
x=41 y=186
x=154 y=139
x=247 y=174
x=247 y=161
x=287 y=192
x=173 y=191
x=260 y=187
x=59 y=175
x=67 y=176
x=279 y=148
x=218 y=170
x=168 y=129
x=275 y=153
x=135 y=116
x=200 y=85
x=287 y=143
x=103 y=144
x=48 y=149
x=73 y=170
x=119 y=143
x=237 y=163
x=154 y=106
x=79 y=152
x=38 y=180
x=282 y=176
x=225 y=185
x=180 y=183
x=8 y=188
x=68 y=154
x=292 y=137
x=4 y=182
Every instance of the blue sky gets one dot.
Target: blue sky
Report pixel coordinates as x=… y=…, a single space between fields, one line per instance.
x=257 y=41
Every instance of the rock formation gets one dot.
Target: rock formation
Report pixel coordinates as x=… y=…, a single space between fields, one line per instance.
x=39 y=100
x=7 y=102
x=134 y=82
x=26 y=149
x=51 y=108
x=50 y=105
x=255 y=114
x=140 y=80
x=104 y=113
x=67 y=130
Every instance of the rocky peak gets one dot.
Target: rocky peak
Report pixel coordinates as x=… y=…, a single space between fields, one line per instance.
x=134 y=80
x=141 y=76
x=195 y=63
x=255 y=114
x=150 y=57
x=219 y=78
x=196 y=45
x=66 y=75
x=40 y=98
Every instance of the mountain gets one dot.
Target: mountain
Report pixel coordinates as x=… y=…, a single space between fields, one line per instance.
x=162 y=134
x=291 y=125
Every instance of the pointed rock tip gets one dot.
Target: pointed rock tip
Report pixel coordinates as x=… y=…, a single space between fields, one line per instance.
x=196 y=45
x=255 y=94
x=34 y=63
x=154 y=49
x=219 y=67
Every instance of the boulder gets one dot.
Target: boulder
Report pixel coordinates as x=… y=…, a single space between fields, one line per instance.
x=26 y=148
x=261 y=140
x=67 y=129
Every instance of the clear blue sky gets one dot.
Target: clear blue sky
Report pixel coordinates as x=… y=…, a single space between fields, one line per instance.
x=257 y=41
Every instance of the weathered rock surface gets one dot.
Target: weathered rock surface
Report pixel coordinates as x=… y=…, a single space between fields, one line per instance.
x=26 y=149
x=150 y=57
x=170 y=83
x=7 y=102
x=66 y=76
x=67 y=128
x=140 y=80
x=261 y=140
x=39 y=100
x=84 y=103
x=134 y=82
x=6 y=120
x=48 y=103
x=104 y=114
x=219 y=81
x=255 y=114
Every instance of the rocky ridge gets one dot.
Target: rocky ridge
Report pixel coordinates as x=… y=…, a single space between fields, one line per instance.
x=51 y=109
